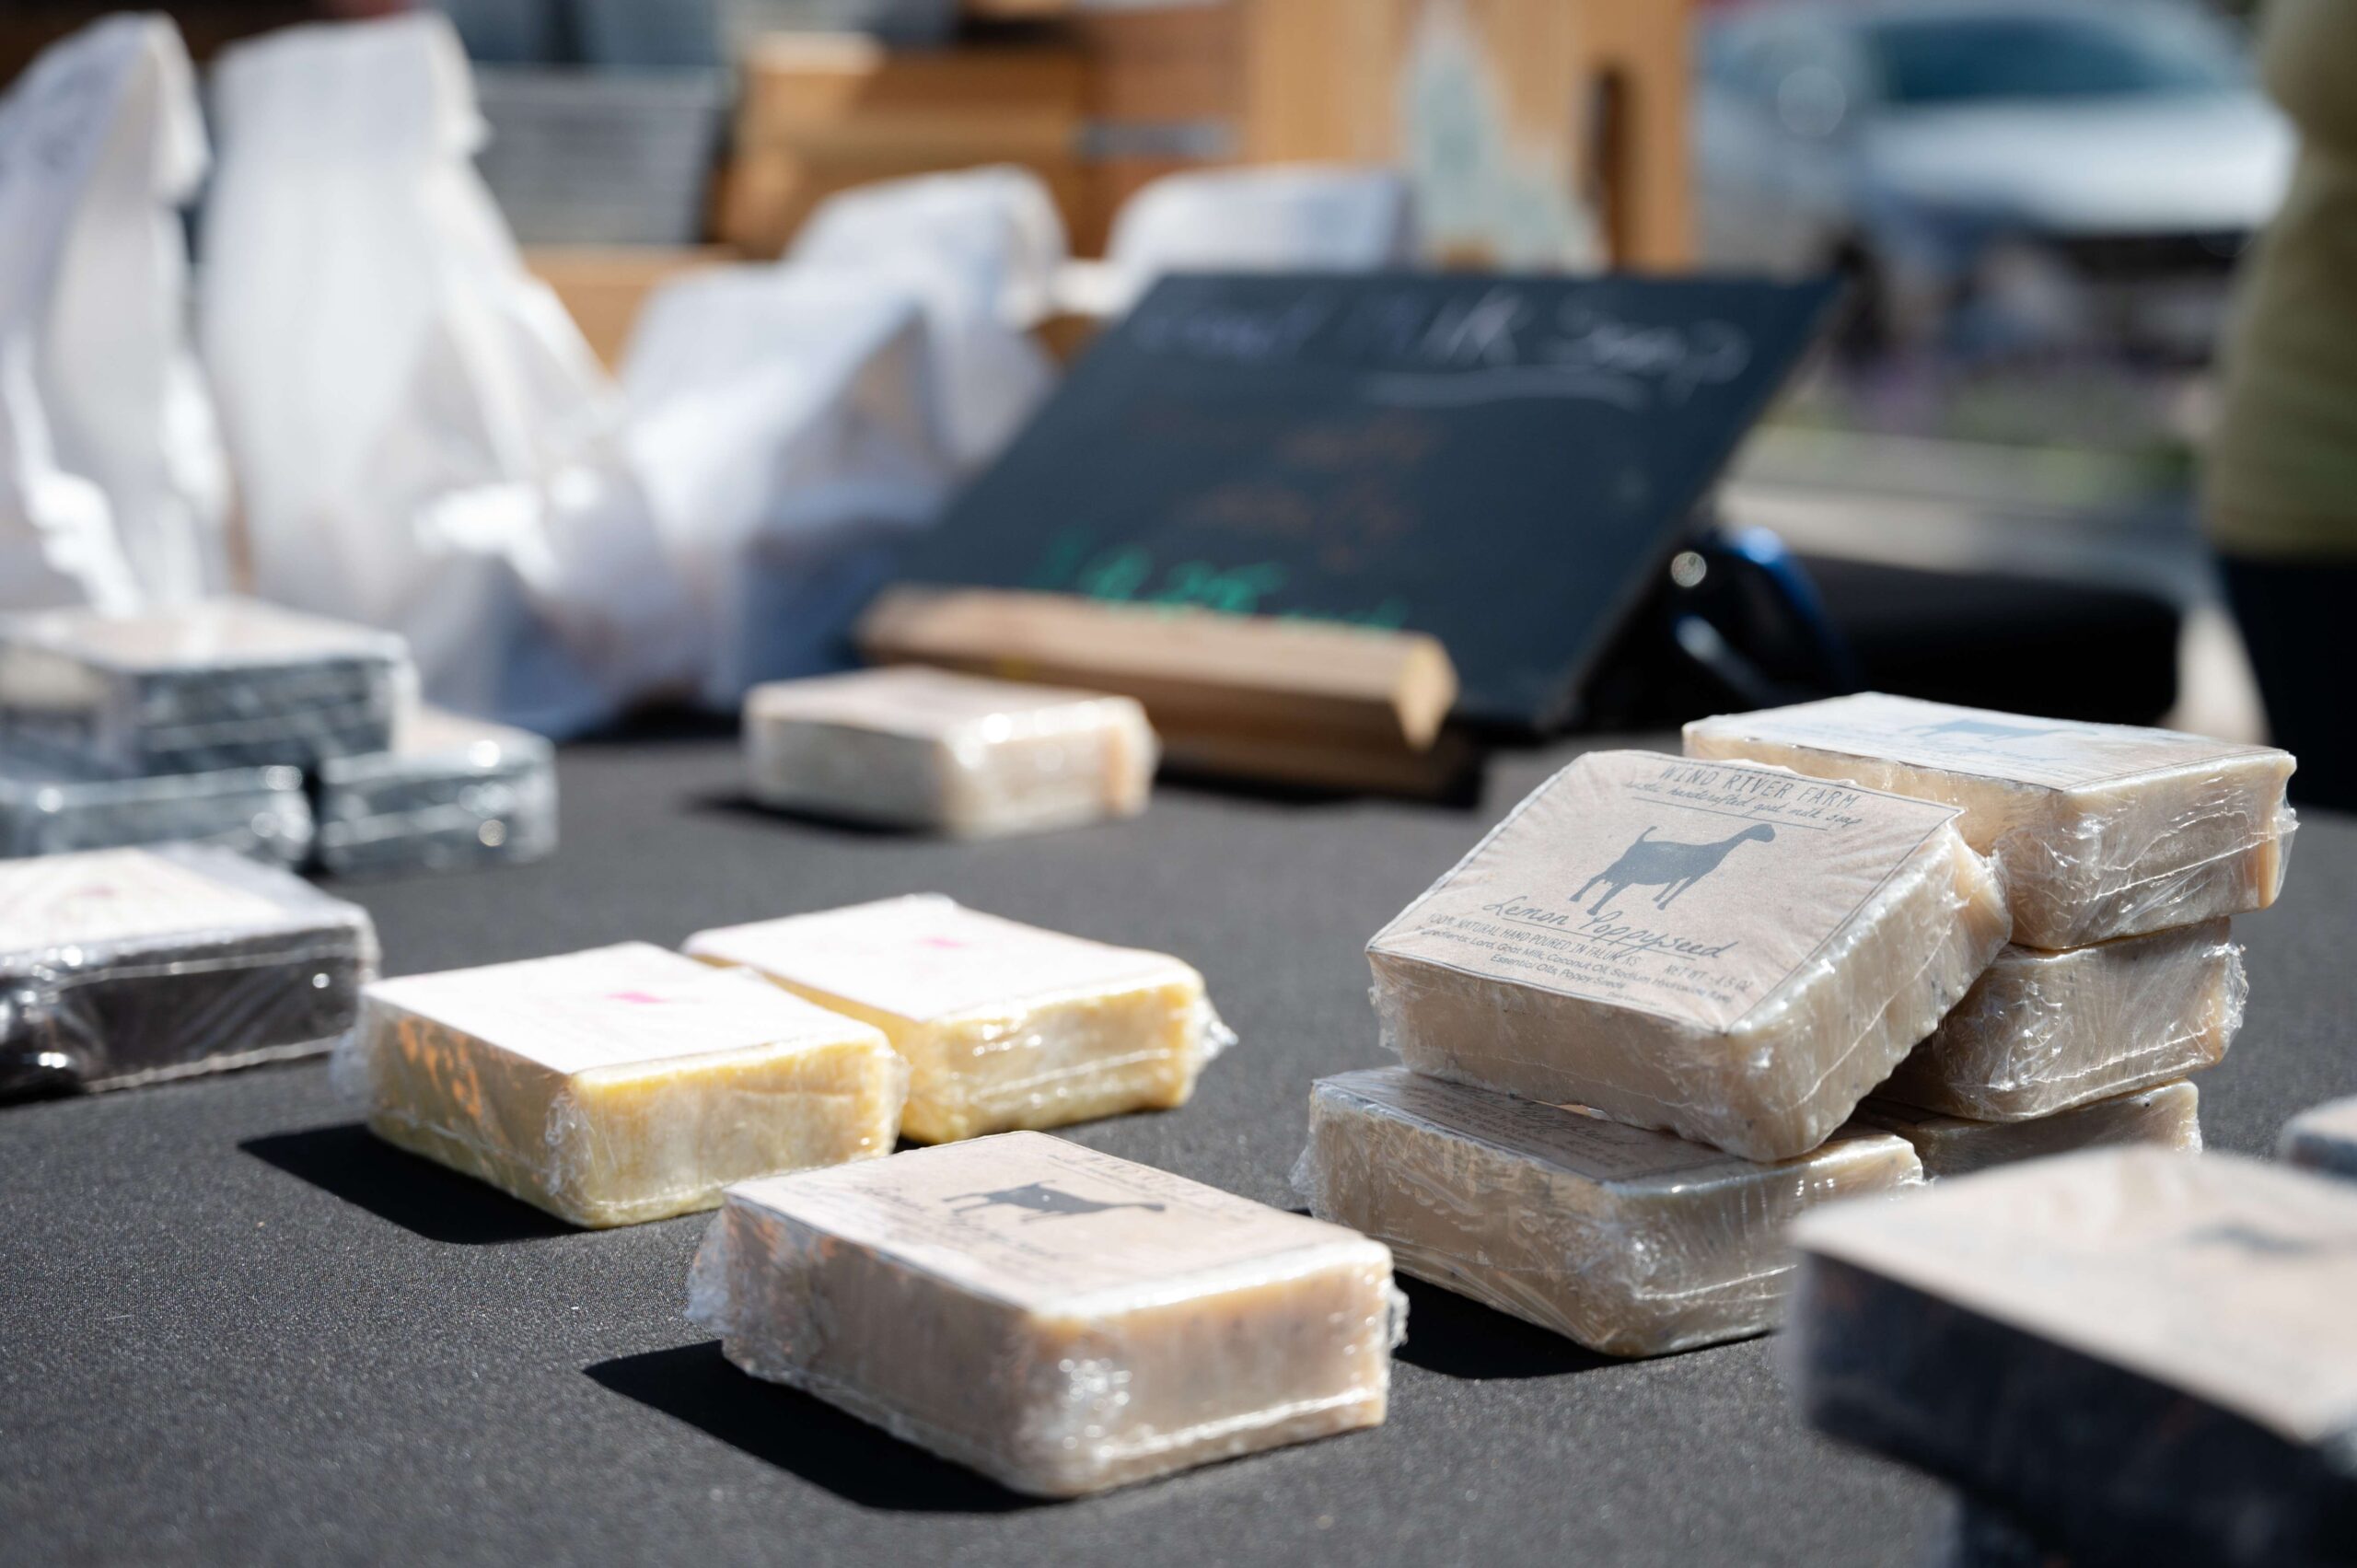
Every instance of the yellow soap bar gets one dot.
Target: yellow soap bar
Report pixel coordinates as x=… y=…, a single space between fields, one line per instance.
x=915 y=748
x=1062 y=1320
x=2043 y=1031
x=1630 y=1242
x=2169 y=1116
x=2098 y=829
x=1732 y=953
x=1005 y=1025
x=621 y=1083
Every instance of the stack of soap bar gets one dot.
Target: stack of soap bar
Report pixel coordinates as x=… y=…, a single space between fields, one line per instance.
x=50 y=810
x=1059 y=1319
x=2044 y=1031
x=2099 y=831
x=228 y=683
x=2143 y=1357
x=2168 y=1117
x=1005 y=1025
x=915 y=747
x=452 y=792
x=2323 y=1138
x=1631 y=1242
x=125 y=966
x=1735 y=953
x=621 y=1083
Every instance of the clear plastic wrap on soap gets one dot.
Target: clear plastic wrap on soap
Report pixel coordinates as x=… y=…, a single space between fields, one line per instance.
x=2168 y=1117
x=1054 y=1403
x=129 y=966
x=1631 y=1243
x=457 y=793
x=1772 y=1085
x=1008 y=759
x=226 y=683
x=2097 y=830
x=2043 y=1032
x=259 y=812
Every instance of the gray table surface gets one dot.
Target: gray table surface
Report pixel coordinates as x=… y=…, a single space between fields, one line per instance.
x=234 y=1328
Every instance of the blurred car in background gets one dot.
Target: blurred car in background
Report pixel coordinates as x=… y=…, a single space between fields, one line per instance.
x=1999 y=176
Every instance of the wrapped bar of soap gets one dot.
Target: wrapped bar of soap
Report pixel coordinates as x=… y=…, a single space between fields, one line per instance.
x=1059 y=1319
x=2168 y=1117
x=1005 y=1025
x=2323 y=1138
x=2043 y=1031
x=49 y=810
x=908 y=747
x=1631 y=1242
x=620 y=1084
x=2099 y=831
x=452 y=792
x=1733 y=953
x=226 y=683
x=129 y=966
x=2144 y=1357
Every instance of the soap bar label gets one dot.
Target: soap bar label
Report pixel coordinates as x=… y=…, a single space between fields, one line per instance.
x=1556 y=1136
x=2055 y=753
x=56 y=902
x=1690 y=889
x=1033 y=1219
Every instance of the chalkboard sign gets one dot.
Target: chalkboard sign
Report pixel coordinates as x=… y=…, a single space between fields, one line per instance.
x=1505 y=463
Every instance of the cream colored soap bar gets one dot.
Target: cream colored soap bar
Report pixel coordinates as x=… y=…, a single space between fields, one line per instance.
x=1005 y=1025
x=620 y=1084
x=1733 y=953
x=915 y=748
x=1631 y=1242
x=2099 y=831
x=2323 y=1138
x=2043 y=1031
x=2168 y=1117
x=1060 y=1319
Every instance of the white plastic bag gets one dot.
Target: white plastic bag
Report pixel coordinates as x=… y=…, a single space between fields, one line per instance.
x=112 y=483
x=425 y=441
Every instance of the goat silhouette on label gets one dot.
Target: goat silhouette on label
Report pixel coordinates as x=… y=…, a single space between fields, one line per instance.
x=1649 y=862
x=1983 y=729
x=1045 y=1203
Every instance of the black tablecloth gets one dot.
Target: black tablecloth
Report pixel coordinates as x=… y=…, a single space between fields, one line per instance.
x=237 y=1329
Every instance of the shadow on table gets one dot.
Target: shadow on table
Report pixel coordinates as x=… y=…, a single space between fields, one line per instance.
x=737 y=803
x=1458 y=1337
x=785 y=1427
x=351 y=1163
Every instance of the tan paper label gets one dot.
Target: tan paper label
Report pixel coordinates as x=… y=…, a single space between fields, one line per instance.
x=923 y=957
x=110 y=895
x=1037 y=1221
x=2220 y=1276
x=1687 y=888
x=908 y=700
x=613 y=1007
x=2055 y=753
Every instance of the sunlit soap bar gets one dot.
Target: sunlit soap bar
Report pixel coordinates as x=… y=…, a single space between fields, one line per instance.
x=1631 y=1242
x=1059 y=1319
x=913 y=748
x=2323 y=1138
x=129 y=966
x=2099 y=831
x=2143 y=1357
x=2168 y=1117
x=49 y=810
x=1005 y=1025
x=452 y=792
x=620 y=1084
x=226 y=683
x=2043 y=1031
x=1733 y=953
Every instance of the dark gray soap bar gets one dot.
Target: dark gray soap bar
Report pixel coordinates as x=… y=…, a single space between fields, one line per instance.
x=1984 y=1537
x=2141 y=1356
x=226 y=683
x=451 y=792
x=49 y=810
x=127 y=966
x=2323 y=1138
